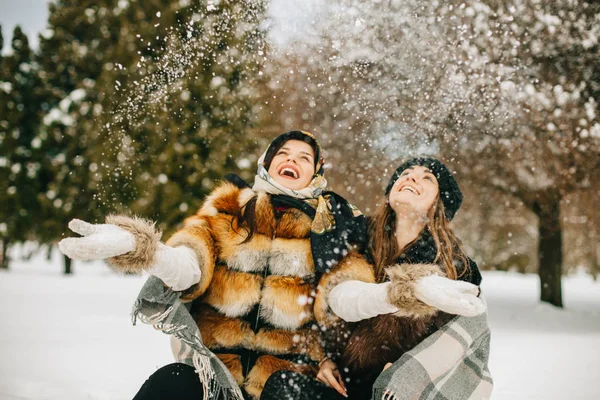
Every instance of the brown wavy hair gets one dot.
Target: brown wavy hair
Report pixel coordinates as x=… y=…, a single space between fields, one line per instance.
x=383 y=246
x=246 y=217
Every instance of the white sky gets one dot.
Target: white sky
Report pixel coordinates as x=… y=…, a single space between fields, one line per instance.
x=290 y=17
x=30 y=14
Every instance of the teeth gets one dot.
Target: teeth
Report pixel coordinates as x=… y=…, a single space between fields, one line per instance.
x=409 y=189
x=290 y=171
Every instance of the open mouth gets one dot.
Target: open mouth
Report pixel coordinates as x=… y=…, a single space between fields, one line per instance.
x=410 y=189
x=288 y=171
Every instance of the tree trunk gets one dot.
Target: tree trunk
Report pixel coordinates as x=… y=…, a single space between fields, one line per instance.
x=595 y=268
x=593 y=241
x=550 y=255
x=4 y=259
x=68 y=270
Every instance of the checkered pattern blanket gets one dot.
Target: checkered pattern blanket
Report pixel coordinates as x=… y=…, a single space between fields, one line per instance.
x=451 y=364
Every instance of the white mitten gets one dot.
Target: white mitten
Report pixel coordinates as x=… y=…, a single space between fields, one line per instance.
x=177 y=267
x=355 y=300
x=450 y=296
x=99 y=241
x=133 y=249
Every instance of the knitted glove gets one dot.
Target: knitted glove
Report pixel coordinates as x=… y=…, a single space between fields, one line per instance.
x=450 y=296
x=99 y=241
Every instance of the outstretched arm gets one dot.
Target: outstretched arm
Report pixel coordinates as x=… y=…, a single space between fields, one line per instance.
x=414 y=290
x=423 y=289
x=353 y=267
x=354 y=301
x=133 y=245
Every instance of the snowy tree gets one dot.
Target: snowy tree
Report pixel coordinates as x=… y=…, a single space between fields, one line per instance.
x=539 y=138
x=505 y=92
x=146 y=105
x=188 y=111
x=70 y=55
x=20 y=153
x=3 y=169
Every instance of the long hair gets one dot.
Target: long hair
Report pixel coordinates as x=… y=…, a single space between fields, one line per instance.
x=383 y=246
x=246 y=219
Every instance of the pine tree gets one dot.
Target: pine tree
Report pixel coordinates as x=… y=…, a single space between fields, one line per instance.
x=3 y=160
x=20 y=154
x=70 y=56
x=146 y=104
x=192 y=115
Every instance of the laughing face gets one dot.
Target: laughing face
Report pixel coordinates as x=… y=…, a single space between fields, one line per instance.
x=293 y=166
x=417 y=188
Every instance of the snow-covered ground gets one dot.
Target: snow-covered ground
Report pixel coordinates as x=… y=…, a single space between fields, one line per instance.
x=72 y=338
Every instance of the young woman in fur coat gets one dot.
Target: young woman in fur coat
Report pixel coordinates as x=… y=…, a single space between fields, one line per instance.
x=414 y=267
x=249 y=261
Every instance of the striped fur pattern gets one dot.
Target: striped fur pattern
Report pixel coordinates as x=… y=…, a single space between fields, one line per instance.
x=272 y=272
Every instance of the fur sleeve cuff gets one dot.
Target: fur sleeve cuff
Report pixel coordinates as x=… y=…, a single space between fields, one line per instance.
x=197 y=238
x=147 y=238
x=401 y=292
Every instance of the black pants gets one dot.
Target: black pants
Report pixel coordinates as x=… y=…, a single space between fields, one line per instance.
x=174 y=381
x=181 y=382
x=286 y=385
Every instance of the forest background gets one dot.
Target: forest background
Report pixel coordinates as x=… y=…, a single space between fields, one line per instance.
x=144 y=106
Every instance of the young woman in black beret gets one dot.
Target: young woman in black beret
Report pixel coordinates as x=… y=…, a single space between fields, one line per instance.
x=414 y=278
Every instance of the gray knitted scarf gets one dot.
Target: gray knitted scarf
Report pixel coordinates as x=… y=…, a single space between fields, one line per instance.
x=161 y=307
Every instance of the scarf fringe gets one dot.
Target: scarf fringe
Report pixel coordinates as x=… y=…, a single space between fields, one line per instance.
x=153 y=319
x=205 y=372
x=210 y=386
x=202 y=363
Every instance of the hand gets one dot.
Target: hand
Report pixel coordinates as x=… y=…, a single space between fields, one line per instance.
x=99 y=241
x=450 y=296
x=330 y=375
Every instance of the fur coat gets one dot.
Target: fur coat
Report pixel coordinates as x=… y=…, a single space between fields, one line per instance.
x=365 y=347
x=254 y=302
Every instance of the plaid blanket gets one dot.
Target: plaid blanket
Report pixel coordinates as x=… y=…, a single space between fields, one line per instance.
x=450 y=364
x=161 y=307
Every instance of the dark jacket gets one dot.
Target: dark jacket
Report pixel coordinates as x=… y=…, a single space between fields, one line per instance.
x=376 y=341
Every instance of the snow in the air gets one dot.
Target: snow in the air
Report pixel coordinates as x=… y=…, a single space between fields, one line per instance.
x=72 y=337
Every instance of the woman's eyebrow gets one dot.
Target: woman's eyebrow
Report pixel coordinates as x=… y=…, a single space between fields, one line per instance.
x=427 y=171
